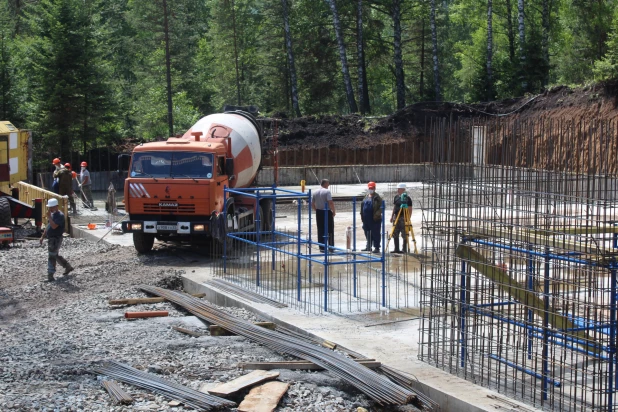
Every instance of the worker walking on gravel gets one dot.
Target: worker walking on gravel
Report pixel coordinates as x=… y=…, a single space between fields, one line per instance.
x=321 y=200
x=53 y=232
x=65 y=184
x=85 y=186
x=371 y=216
x=400 y=219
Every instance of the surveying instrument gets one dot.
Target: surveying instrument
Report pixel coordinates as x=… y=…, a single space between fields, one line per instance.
x=408 y=230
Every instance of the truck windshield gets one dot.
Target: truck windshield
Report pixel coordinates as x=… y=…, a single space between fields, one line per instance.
x=172 y=164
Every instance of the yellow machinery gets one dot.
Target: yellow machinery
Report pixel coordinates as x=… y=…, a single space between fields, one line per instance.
x=15 y=165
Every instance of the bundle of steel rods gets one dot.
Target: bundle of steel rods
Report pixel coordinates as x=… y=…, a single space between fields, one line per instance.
x=170 y=390
x=377 y=387
x=117 y=393
x=244 y=293
x=406 y=382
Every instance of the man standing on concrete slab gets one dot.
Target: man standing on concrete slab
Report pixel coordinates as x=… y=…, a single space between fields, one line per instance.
x=65 y=184
x=371 y=215
x=85 y=186
x=53 y=232
x=322 y=199
x=400 y=219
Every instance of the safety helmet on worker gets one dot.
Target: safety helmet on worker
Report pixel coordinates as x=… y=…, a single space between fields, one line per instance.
x=84 y=164
x=401 y=186
x=52 y=202
x=371 y=185
x=56 y=161
x=67 y=165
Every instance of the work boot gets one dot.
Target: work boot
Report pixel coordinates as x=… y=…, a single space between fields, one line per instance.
x=367 y=248
x=396 y=242
x=376 y=250
x=68 y=270
x=50 y=277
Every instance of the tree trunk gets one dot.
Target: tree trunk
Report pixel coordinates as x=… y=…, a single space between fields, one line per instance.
x=168 y=71
x=421 y=88
x=399 y=80
x=490 y=35
x=238 y=100
x=292 y=68
x=342 y=56
x=522 y=42
x=510 y=32
x=545 y=41
x=363 y=94
x=434 y=41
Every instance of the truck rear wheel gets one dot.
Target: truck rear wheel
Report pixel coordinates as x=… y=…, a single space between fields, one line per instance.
x=143 y=242
x=5 y=212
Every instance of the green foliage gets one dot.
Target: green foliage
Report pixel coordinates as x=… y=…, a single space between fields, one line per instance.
x=84 y=73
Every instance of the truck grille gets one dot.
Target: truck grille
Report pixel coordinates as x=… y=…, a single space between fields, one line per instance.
x=181 y=208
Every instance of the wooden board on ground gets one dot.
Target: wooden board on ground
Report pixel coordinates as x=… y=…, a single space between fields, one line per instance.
x=238 y=384
x=304 y=365
x=216 y=330
x=264 y=398
x=139 y=301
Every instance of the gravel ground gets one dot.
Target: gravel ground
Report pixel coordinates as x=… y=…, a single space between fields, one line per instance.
x=53 y=333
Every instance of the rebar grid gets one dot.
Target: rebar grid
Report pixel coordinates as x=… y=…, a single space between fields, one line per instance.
x=285 y=264
x=520 y=291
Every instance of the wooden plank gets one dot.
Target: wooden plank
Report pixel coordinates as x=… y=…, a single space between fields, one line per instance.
x=216 y=330
x=188 y=332
x=264 y=398
x=228 y=388
x=138 y=301
x=304 y=365
x=519 y=292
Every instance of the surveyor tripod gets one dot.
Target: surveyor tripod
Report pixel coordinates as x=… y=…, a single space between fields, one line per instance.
x=408 y=230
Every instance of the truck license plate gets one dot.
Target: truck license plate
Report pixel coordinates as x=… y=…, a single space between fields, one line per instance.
x=167 y=227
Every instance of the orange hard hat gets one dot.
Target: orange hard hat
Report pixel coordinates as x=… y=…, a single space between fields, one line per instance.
x=56 y=161
x=371 y=185
x=67 y=165
x=84 y=164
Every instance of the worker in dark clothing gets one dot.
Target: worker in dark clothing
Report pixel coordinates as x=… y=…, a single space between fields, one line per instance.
x=371 y=216
x=65 y=185
x=53 y=232
x=400 y=219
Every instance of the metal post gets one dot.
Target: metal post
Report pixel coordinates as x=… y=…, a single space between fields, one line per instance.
x=462 y=311
x=273 y=202
x=225 y=199
x=545 y=362
x=309 y=209
x=257 y=224
x=612 y=340
x=383 y=207
x=326 y=238
x=354 y=244
x=530 y=287
x=298 y=274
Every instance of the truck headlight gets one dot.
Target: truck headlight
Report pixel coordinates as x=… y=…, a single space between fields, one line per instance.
x=198 y=228
x=135 y=226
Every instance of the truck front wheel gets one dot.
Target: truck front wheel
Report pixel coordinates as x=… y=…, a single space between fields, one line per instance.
x=143 y=242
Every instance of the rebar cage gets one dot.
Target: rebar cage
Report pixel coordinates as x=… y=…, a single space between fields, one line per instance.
x=283 y=263
x=520 y=294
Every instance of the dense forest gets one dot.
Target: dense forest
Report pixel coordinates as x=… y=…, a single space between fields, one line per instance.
x=88 y=73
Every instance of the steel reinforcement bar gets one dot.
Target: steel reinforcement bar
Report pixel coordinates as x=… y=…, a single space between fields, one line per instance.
x=377 y=387
x=170 y=390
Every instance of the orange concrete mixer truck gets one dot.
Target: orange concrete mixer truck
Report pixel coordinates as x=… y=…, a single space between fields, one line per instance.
x=175 y=189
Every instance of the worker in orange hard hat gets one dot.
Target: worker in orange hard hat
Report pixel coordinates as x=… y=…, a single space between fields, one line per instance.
x=371 y=216
x=85 y=185
x=57 y=166
x=65 y=183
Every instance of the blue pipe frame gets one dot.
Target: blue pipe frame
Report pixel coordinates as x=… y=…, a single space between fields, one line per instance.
x=545 y=333
x=276 y=193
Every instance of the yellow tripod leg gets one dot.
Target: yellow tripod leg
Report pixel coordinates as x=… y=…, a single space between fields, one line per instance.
x=390 y=236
